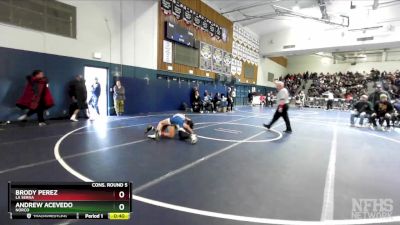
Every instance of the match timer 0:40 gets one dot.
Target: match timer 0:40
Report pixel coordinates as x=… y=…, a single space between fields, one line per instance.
x=96 y=200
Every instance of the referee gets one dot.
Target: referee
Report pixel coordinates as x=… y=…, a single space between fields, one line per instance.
x=283 y=105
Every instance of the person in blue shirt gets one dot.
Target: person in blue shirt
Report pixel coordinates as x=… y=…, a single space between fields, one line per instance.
x=94 y=99
x=168 y=128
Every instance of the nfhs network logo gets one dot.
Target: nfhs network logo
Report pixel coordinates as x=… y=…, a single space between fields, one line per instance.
x=365 y=208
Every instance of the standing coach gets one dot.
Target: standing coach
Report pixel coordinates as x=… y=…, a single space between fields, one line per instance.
x=283 y=105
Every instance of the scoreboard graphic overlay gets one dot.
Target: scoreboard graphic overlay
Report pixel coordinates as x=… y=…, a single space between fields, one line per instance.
x=97 y=200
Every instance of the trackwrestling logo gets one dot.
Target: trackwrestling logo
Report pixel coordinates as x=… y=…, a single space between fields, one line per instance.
x=365 y=208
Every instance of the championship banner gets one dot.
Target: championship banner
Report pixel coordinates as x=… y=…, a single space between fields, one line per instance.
x=234 y=50
x=205 y=57
x=177 y=10
x=197 y=20
x=239 y=67
x=227 y=62
x=246 y=37
x=240 y=36
x=235 y=36
x=240 y=52
x=204 y=25
x=224 y=35
x=211 y=29
x=166 y=7
x=235 y=28
x=188 y=15
x=247 y=57
x=217 y=60
x=233 y=69
x=180 y=11
x=209 y=24
x=218 y=32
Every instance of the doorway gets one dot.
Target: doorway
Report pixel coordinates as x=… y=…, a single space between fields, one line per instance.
x=91 y=74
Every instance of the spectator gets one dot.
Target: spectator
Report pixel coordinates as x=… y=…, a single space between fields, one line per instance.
x=94 y=99
x=36 y=97
x=119 y=98
x=375 y=96
x=217 y=101
x=230 y=99
x=271 y=99
x=78 y=94
x=382 y=112
x=329 y=103
x=396 y=116
x=361 y=109
x=224 y=102
x=302 y=99
x=250 y=97
x=233 y=93
x=207 y=102
x=192 y=94
x=197 y=105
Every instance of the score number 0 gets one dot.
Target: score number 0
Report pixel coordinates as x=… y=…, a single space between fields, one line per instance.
x=121 y=195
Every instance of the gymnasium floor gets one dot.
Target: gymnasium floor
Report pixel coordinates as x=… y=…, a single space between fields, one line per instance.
x=238 y=173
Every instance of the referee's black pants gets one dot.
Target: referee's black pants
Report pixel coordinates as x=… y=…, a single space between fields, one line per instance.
x=329 y=104
x=283 y=114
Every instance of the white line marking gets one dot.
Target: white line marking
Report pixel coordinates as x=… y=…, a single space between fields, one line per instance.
x=228 y=131
x=44 y=162
x=63 y=163
x=76 y=173
x=256 y=219
x=262 y=220
x=243 y=141
x=70 y=156
x=354 y=129
x=329 y=191
x=25 y=166
x=190 y=165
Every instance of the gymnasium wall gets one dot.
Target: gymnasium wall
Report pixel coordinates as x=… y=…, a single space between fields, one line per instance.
x=314 y=63
x=205 y=10
x=266 y=66
x=23 y=50
x=144 y=90
x=135 y=20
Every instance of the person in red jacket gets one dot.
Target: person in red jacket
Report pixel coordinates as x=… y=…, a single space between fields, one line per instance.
x=36 y=97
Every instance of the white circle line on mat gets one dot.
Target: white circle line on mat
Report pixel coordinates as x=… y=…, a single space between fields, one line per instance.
x=241 y=141
x=217 y=214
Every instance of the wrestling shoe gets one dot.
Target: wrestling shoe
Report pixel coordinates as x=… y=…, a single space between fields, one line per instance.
x=267 y=126
x=73 y=118
x=23 y=117
x=41 y=124
x=288 y=131
x=152 y=136
x=149 y=128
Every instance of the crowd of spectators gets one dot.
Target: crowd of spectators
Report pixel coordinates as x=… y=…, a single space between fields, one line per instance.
x=374 y=95
x=293 y=82
x=218 y=102
x=347 y=85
